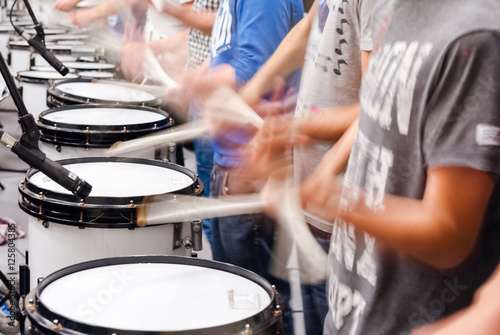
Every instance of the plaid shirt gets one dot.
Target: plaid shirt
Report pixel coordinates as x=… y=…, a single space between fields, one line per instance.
x=198 y=42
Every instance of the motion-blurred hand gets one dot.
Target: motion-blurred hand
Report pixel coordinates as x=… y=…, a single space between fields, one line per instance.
x=65 y=5
x=280 y=100
x=132 y=61
x=270 y=150
x=320 y=193
x=82 y=17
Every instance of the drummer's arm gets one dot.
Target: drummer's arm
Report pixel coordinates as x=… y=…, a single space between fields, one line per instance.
x=203 y=21
x=169 y=44
x=83 y=17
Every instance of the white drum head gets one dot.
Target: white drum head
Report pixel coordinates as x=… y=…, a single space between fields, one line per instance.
x=176 y=297
x=104 y=116
x=120 y=179
x=89 y=66
x=48 y=75
x=66 y=37
x=46 y=69
x=105 y=92
x=96 y=74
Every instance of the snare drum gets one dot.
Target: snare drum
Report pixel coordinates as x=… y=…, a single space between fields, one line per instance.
x=88 y=130
x=96 y=74
x=35 y=85
x=85 y=91
x=19 y=56
x=65 y=230
x=90 y=66
x=180 y=295
x=62 y=52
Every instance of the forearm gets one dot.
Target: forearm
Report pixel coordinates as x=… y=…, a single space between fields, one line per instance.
x=336 y=159
x=203 y=21
x=170 y=44
x=108 y=8
x=439 y=230
x=331 y=124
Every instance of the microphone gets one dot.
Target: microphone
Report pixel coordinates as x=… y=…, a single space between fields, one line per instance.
x=39 y=46
x=55 y=171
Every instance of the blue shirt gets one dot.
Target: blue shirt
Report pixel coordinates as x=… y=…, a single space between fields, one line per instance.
x=245 y=35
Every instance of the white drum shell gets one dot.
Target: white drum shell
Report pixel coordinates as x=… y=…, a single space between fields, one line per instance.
x=20 y=60
x=58 y=246
x=66 y=152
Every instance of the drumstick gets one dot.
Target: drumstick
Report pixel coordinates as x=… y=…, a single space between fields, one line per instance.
x=178 y=134
x=182 y=208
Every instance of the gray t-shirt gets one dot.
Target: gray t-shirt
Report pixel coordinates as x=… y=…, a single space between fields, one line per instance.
x=331 y=74
x=430 y=98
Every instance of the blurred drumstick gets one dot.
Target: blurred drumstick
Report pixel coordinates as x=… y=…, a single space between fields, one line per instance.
x=153 y=70
x=293 y=228
x=178 y=134
x=180 y=208
x=235 y=110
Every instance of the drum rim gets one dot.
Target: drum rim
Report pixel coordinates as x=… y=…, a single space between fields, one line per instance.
x=261 y=320
x=107 y=66
x=26 y=79
x=72 y=134
x=56 y=93
x=69 y=209
x=84 y=74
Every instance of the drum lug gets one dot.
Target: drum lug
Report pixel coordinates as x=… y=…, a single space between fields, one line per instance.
x=31 y=304
x=277 y=310
x=178 y=242
x=247 y=331
x=57 y=325
x=56 y=126
x=88 y=101
x=124 y=130
x=40 y=210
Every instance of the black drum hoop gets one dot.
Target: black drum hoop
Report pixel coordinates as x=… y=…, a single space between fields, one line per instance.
x=68 y=98
x=264 y=322
x=25 y=79
x=98 y=136
x=94 y=212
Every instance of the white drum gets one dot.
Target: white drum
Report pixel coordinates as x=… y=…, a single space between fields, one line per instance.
x=66 y=37
x=90 y=66
x=88 y=130
x=85 y=91
x=35 y=85
x=181 y=295
x=62 y=52
x=65 y=230
x=96 y=74
x=19 y=56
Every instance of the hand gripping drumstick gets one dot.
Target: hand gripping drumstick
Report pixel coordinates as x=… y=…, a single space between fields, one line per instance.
x=224 y=105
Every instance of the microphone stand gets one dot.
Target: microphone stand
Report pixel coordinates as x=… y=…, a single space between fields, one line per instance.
x=38 y=26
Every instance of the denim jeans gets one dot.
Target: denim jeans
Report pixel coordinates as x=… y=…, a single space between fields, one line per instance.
x=314 y=300
x=204 y=164
x=247 y=241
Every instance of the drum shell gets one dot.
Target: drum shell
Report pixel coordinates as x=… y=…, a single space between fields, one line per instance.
x=35 y=93
x=40 y=318
x=62 y=141
x=59 y=246
x=65 y=230
x=19 y=59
